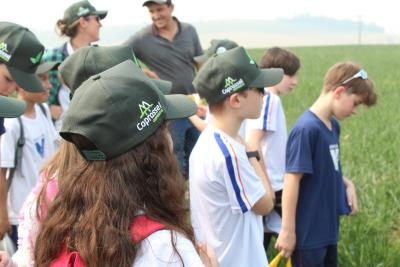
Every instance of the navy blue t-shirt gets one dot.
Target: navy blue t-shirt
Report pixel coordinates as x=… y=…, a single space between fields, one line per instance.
x=2 y=129
x=313 y=150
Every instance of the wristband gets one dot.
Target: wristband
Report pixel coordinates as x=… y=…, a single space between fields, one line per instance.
x=255 y=154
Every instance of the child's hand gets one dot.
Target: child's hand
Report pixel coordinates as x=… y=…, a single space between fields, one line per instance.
x=207 y=255
x=286 y=242
x=55 y=111
x=5 y=260
x=351 y=196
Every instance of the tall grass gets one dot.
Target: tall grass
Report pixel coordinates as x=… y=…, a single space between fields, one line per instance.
x=370 y=149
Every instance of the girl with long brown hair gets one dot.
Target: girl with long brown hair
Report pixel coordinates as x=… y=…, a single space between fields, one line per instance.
x=118 y=123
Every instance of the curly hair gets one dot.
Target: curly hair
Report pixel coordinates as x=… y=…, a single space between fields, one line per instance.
x=98 y=200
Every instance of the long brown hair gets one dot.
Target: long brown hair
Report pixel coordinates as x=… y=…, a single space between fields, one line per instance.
x=97 y=201
x=65 y=158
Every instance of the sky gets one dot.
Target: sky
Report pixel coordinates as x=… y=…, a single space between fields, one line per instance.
x=42 y=14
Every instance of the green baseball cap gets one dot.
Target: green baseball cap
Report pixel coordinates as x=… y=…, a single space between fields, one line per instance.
x=231 y=72
x=81 y=9
x=10 y=107
x=47 y=66
x=21 y=52
x=217 y=47
x=90 y=60
x=158 y=2
x=117 y=110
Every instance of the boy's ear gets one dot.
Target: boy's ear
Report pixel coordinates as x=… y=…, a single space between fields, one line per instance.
x=338 y=91
x=234 y=100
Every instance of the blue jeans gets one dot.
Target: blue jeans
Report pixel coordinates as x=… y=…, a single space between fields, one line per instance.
x=184 y=135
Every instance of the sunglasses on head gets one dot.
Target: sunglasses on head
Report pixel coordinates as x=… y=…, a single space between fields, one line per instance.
x=360 y=74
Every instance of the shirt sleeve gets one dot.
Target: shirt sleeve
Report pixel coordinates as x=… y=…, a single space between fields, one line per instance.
x=244 y=187
x=198 y=49
x=299 y=151
x=157 y=251
x=8 y=143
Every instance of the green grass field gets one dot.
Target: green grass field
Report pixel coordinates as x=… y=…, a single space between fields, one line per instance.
x=370 y=149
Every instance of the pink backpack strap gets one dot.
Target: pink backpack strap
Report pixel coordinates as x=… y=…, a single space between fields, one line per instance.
x=68 y=259
x=142 y=227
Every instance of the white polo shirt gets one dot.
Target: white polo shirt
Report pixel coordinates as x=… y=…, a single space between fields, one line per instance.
x=223 y=189
x=273 y=144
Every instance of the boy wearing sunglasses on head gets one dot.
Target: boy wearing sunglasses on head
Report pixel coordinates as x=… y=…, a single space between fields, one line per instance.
x=315 y=192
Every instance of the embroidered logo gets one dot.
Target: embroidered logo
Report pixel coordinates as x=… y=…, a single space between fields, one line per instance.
x=334 y=150
x=4 y=54
x=83 y=11
x=35 y=60
x=232 y=85
x=149 y=114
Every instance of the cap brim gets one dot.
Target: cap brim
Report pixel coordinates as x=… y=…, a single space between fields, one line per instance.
x=179 y=106
x=101 y=13
x=47 y=66
x=11 y=108
x=267 y=77
x=201 y=59
x=164 y=86
x=27 y=81
x=145 y=3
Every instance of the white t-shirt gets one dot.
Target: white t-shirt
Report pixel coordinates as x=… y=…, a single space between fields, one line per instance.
x=273 y=144
x=63 y=96
x=223 y=189
x=156 y=250
x=41 y=141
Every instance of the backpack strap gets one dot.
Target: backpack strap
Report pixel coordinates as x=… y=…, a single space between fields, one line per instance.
x=17 y=154
x=143 y=226
x=43 y=109
x=68 y=259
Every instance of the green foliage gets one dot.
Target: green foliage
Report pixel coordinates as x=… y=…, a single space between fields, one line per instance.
x=370 y=149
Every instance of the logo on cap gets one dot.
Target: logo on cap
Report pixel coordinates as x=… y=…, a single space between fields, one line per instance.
x=232 y=85
x=147 y=114
x=82 y=11
x=251 y=59
x=37 y=58
x=4 y=54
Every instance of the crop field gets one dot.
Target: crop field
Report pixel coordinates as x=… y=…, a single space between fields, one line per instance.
x=370 y=149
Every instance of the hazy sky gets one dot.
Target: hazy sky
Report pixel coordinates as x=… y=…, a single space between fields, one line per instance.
x=42 y=14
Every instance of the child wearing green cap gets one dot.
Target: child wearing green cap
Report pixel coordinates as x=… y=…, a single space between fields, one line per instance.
x=315 y=191
x=127 y=183
x=20 y=54
x=78 y=67
x=229 y=192
x=28 y=142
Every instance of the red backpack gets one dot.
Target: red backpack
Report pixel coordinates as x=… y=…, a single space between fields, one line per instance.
x=141 y=227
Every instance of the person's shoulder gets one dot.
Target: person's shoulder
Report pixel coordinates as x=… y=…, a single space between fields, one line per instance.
x=187 y=26
x=306 y=122
x=143 y=32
